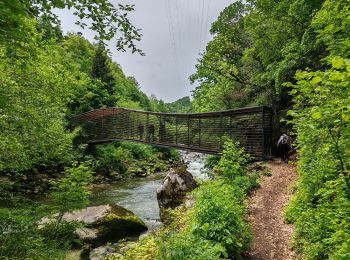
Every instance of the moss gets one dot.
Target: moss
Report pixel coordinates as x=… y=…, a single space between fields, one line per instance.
x=118 y=224
x=181 y=170
x=117 y=218
x=148 y=247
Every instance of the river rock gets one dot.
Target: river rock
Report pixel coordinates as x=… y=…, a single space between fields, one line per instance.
x=102 y=252
x=102 y=224
x=174 y=187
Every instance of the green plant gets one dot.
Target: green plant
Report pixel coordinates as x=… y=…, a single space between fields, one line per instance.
x=138 y=151
x=112 y=161
x=267 y=173
x=233 y=162
x=211 y=161
x=70 y=192
x=320 y=209
x=185 y=246
x=218 y=217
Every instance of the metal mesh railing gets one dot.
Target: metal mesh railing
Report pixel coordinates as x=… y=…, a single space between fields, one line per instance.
x=203 y=132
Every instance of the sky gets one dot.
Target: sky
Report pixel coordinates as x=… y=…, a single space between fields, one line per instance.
x=175 y=32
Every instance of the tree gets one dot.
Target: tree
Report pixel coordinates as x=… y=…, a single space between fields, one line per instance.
x=258 y=45
x=70 y=192
x=104 y=18
x=101 y=70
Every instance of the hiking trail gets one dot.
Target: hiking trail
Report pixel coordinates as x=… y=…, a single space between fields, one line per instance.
x=271 y=235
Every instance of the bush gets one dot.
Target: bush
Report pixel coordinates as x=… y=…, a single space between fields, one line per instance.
x=219 y=217
x=233 y=162
x=185 y=246
x=320 y=209
x=138 y=151
x=20 y=236
x=127 y=159
x=167 y=153
x=70 y=192
x=112 y=161
x=211 y=161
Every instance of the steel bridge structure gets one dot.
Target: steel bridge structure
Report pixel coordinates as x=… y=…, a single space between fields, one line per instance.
x=200 y=132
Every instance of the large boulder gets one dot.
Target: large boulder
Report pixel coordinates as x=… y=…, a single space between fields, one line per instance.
x=102 y=224
x=174 y=187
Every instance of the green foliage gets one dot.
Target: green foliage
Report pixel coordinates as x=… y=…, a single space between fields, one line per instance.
x=70 y=192
x=107 y=20
x=170 y=154
x=182 y=105
x=185 y=245
x=20 y=235
x=111 y=160
x=320 y=208
x=45 y=83
x=211 y=161
x=63 y=235
x=257 y=46
x=219 y=217
x=138 y=151
x=32 y=109
x=21 y=239
x=102 y=70
x=332 y=25
x=146 y=249
x=233 y=162
x=127 y=159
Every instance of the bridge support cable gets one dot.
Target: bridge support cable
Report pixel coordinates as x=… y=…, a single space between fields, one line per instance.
x=203 y=132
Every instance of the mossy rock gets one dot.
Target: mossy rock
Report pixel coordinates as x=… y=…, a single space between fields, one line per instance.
x=102 y=224
x=173 y=189
x=117 y=224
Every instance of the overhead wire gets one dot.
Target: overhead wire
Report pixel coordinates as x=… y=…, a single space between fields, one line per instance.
x=172 y=37
x=207 y=28
x=179 y=38
x=201 y=25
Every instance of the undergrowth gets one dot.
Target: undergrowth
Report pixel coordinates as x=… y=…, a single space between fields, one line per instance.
x=320 y=209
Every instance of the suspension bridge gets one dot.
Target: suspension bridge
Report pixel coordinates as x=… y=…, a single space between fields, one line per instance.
x=200 y=132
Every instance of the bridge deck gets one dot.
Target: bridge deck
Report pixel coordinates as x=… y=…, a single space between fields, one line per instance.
x=203 y=132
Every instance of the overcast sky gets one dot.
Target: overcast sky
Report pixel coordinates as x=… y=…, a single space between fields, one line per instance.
x=174 y=33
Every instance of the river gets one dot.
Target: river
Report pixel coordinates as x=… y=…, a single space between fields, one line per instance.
x=139 y=195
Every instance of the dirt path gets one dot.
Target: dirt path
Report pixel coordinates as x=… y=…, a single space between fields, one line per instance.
x=265 y=213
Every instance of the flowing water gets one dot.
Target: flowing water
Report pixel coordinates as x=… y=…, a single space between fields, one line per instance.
x=139 y=195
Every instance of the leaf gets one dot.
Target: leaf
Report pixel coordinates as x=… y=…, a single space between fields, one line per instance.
x=316 y=115
x=338 y=63
x=345 y=117
x=316 y=80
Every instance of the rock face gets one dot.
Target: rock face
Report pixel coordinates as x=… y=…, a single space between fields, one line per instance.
x=102 y=224
x=174 y=187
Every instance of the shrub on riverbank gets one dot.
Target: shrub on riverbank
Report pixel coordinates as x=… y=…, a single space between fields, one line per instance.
x=320 y=209
x=126 y=159
x=20 y=235
x=214 y=228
